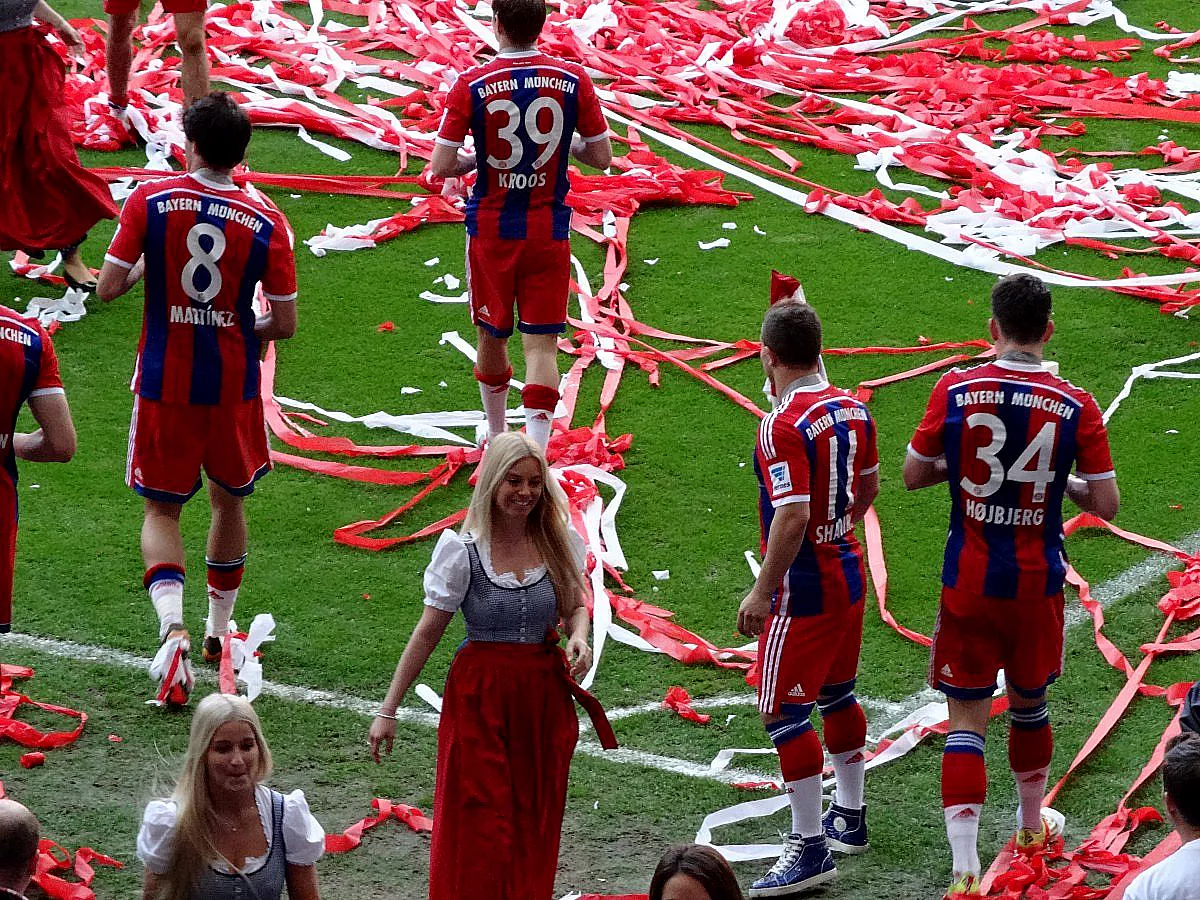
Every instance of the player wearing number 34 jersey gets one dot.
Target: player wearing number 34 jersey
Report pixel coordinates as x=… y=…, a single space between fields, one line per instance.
x=1005 y=435
x=203 y=245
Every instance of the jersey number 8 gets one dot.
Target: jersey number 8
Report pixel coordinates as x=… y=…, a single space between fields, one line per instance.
x=1039 y=452
x=510 y=131
x=203 y=261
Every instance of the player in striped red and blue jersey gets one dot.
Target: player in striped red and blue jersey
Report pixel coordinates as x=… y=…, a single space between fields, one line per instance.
x=1005 y=436
x=818 y=473
x=28 y=374
x=522 y=110
x=204 y=245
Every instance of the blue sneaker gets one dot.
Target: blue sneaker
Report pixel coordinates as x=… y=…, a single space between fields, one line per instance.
x=804 y=864
x=846 y=829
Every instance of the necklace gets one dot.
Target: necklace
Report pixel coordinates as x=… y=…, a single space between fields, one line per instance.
x=226 y=822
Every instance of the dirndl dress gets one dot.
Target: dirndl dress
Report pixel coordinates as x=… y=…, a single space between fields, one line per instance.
x=507 y=733
x=50 y=200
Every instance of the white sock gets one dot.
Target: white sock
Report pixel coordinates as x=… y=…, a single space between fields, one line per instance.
x=167 y=597
x=538 y=423
x=850 y=768
x=962 y=828
x=1031 y=788
x=220 y=608
x=804 y=796
x=495 y=405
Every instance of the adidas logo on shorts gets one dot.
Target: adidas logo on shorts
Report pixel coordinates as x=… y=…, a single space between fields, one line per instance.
x=946 y=671
x=483 y=311
x=796 y=691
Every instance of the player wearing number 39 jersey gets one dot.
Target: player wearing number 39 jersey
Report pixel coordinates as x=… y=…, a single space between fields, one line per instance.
x=1005 y=436
x=203 y=245
x=522 y=111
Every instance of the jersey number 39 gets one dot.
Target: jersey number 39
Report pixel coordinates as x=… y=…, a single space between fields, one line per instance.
x=512 y=133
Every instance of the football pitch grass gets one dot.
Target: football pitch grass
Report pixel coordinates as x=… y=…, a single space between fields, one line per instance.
x=343 y=615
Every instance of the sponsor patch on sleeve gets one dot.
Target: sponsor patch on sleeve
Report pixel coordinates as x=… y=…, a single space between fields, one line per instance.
x=781 y=478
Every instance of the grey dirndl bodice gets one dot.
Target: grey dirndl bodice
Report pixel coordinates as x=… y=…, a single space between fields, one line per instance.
x=507 y=615
x=265 y=884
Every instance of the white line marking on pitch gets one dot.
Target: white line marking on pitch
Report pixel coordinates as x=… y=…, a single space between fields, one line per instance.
x=1132 y=580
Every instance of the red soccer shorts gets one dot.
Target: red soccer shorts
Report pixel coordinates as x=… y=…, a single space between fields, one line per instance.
x=170 y=443
x=798 y=655
x=535 y=275
x=124 y=7
x=975 y=637
x=8 y=548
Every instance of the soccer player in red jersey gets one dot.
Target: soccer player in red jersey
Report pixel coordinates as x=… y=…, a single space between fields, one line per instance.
x=203 y=244
x=818 y=473
x=188 y=16
x=1005 y=436
x=521 y=110
x=28 y=374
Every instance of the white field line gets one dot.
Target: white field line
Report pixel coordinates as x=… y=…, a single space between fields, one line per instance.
x=887 y=712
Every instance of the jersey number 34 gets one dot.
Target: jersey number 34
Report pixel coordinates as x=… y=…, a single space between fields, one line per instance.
x=1038 y=452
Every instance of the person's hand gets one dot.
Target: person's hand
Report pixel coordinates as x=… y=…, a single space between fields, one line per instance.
x=579 y=657
x=753 y=612
x=381 y=737
x=71 y=38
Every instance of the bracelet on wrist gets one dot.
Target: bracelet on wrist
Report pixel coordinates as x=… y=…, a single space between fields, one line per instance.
x=382 y=715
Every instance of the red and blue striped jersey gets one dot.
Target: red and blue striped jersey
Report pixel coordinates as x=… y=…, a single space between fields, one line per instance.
x=814 y=448
x=1011 y=432
x=28 y=368
x=207 y=244
x=522 y=109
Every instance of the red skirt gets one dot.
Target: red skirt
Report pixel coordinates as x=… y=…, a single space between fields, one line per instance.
x=50 y=200
x=507 y=733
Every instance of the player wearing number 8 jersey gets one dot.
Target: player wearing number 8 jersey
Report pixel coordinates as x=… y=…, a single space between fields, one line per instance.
x=521 y=110
x=1005 y=436
x=204 y=245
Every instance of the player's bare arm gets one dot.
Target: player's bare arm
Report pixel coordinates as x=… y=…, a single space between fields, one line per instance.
x=1100 y=497
x=922 y=473
x=117 y=280
x=787 y=534
x=868 y=490
x=596 y=153
x=54 y=441
x=425 y=638
x=450 y=162
x=279 y=324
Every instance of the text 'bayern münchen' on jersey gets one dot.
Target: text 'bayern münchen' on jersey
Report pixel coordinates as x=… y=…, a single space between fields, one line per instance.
x=814 y=448
x=1011 y=432
x=207 y=245
x=28 y=368
x=522 y=110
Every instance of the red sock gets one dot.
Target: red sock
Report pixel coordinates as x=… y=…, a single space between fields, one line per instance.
x=845 y=729
x=964 y=774
x=801 y=756
x=1030 y=739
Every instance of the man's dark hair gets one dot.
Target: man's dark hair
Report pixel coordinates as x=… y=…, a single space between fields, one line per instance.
x=219 y=128
x=1021 y=307
x=522 y=20
x=1181 y=776
x=18 y=844
x=792 y=331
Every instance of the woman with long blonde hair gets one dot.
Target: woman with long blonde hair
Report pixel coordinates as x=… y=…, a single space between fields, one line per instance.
x=508 y=726
x=223 y=833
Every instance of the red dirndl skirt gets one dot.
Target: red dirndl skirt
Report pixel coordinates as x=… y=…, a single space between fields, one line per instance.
x=50 y=201
x=507 y=732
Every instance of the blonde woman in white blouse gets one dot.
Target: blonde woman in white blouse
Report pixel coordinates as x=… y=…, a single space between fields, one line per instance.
x=508 y=726
x=223 y=834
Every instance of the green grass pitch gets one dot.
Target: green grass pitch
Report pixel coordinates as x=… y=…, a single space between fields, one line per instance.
x=344 y=615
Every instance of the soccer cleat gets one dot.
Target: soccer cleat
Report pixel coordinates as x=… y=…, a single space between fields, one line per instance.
x=965 y=885
x=846 y=829
x=212 y=648
x=173 y=670
x=804 y=864
x=1032 y=840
